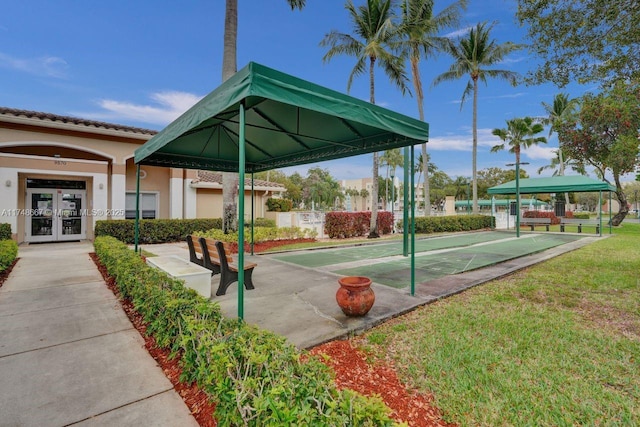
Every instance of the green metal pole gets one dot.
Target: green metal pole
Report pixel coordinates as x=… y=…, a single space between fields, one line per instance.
x=518 y=199
x=252 y=214
x=600 y=211
x=241 y=155
x=413 y=227
x=405 y=210
x=136 y=235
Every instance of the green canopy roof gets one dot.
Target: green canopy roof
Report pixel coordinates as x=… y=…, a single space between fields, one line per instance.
x=500 y=202
x=554 y=184
x=288 y=122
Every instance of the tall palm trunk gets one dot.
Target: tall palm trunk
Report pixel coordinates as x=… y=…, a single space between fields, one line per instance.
x=561 y=167
x=417 y=85
x=475 y=144
x=373 y=225
x=229 y=68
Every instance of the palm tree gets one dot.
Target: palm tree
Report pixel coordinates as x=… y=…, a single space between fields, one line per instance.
x=393 y=159
x=418 y=32
x=559 y=165
x=431 y=167
x=561 y=108
x=373 y=31
x=472 y=55
x=520 y=133
x=229 y=68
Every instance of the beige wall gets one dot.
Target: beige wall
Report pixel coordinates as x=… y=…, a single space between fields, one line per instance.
x=67 y=143
x=156 y=179
x=209 y=203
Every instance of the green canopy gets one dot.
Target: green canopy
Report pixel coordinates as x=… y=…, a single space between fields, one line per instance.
x=263 y=119
x=288 y=121
x=500 y=202
x=554 y=184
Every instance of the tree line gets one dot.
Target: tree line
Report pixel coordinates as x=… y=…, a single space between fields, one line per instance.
x=584 y=40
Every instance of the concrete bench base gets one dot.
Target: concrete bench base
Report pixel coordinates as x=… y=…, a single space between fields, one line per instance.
x=195 y=277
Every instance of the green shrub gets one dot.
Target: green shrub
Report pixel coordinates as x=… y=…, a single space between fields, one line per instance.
x=581 y=216
x=254 y=376
x=279 y=205
x=261 y=222
x=260 y=234
x=5 y=231
x=8 y=253
x=155 y=230
x=453 y=223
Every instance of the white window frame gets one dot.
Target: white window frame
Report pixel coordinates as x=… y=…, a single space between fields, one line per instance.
x=156 y=195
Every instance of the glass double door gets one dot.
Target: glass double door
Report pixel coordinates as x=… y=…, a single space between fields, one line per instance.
x=55 y=215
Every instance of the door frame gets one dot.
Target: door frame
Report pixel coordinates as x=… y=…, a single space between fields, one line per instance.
x=56 y=215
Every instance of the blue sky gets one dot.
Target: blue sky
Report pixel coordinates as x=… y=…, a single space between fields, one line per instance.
x=142 y=63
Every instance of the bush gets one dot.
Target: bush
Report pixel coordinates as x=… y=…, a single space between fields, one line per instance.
x=155 y=230
x=254 y=376
x=580 y=216
x=5 y=231
x=279 y=205
x=454 y=223
x=541 y=214
x=261 y=222
x=260 y=234
x=8 y=253
x=354 y=224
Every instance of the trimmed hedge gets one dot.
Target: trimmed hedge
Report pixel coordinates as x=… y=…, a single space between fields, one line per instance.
x=5 y=231
x=279 y=205
x=254 y=376
x=580 y=216
x=155 y=230
x=453 y=223
x=8 y=253
x=339 y=225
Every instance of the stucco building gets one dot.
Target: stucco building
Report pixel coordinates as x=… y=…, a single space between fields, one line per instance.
x=60 y=174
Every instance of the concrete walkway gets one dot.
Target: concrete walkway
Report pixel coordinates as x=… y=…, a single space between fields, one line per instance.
x=68 y=353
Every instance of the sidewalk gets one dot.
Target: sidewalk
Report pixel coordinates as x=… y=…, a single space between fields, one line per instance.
x=68 y=353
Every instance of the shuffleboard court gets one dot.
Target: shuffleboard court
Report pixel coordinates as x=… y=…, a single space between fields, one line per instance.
x=320 y=258
x=397 y=272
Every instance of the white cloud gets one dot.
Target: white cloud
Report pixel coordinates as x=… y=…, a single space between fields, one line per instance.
x=544 y=152
x=458 y=33
x=168 y=106
x=508 y=95
x=462 y=141
x=50 y=66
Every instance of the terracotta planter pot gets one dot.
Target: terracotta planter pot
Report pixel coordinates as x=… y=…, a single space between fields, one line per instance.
x=355 y=296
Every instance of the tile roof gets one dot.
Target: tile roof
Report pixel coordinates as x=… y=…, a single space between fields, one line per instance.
x=216 y=178
x=4 y=111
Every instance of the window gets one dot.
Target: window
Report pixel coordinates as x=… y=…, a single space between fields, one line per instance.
x=148 y=206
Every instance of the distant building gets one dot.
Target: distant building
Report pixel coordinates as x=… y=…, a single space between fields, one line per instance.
x=60 y=174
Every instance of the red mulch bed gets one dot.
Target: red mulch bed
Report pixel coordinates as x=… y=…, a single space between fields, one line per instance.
x=350 y=365
x=263 y=246
x=378 y=378
x=196 y=400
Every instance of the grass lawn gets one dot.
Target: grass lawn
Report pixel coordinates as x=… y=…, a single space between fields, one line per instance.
x=556 y=344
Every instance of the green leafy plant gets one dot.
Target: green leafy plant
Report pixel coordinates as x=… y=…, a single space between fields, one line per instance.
x=8 y=253
x=254 y=376
x=279 y=205
x=155 y=230
x=5 y=231
x=450 y=224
